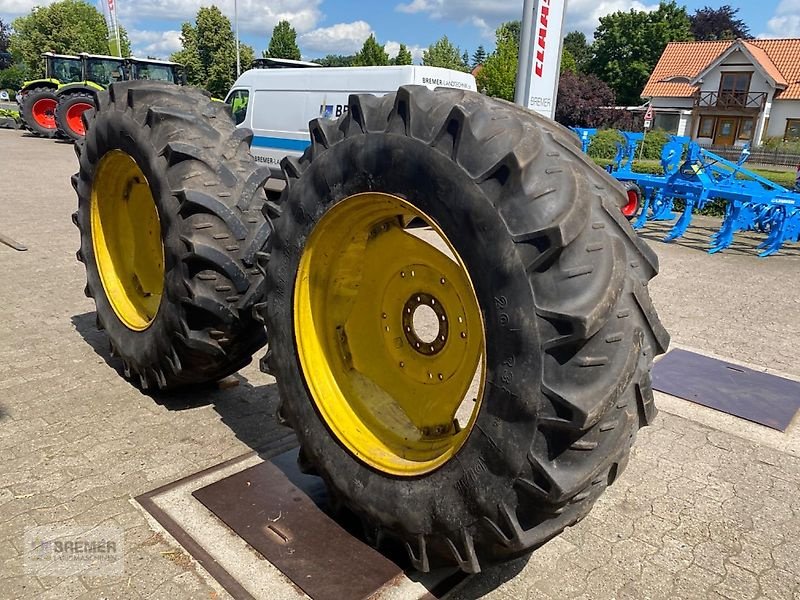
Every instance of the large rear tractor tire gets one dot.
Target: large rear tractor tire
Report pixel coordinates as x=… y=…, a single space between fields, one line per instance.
x=169 y=213
x=470 y=389
x=69 y=114
x=38 y=111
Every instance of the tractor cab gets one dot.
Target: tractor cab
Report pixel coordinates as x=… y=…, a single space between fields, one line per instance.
x=64 y=68
x=103 y=70
x=156 y=70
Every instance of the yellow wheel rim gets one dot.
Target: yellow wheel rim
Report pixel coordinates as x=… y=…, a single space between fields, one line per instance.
x=126 y=236
x=400 y=393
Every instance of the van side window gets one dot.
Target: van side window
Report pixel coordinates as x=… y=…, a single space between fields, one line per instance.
x=238 y=101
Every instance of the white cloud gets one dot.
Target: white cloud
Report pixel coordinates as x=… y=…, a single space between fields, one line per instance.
x=155 y=43
x=393 y=48
x=785 y=22
x=255 y=16
x=15 y=8
x=487 y=15
x=342 y=38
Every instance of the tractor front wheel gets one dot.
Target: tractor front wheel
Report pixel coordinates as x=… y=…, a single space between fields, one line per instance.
x=38 y=111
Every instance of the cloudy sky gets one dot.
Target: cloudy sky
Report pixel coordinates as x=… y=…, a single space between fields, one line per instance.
x=341 y=26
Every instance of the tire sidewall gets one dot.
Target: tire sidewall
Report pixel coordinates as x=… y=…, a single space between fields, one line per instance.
x=473 y=483
x=154 y=342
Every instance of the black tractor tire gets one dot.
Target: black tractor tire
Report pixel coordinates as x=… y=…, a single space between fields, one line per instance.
x=208 y=192
x=65 y=121
x=26 y=111
x=561 y=280
x=633 y=200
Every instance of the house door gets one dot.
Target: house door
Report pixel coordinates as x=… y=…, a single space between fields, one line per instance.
x=726 y=131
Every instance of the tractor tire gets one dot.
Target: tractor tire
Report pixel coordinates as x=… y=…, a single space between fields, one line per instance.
x=543 y=271
x=69 y=114
x=169 y=213
x=37 y=111
x=633 y=203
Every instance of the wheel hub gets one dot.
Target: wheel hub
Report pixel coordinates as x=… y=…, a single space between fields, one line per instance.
x=418 y=324
x=389 y=335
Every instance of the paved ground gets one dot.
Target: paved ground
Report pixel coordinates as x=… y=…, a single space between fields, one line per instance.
x=708 y=508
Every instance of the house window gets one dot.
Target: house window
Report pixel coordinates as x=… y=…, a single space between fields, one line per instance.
x=792 y=129
x=746 y=129
x=706 y=129
x=667 y=122
x=733 y=88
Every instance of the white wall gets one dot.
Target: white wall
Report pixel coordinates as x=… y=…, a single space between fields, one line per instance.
x=738 y=62
x=782 y=110
x=672 y=103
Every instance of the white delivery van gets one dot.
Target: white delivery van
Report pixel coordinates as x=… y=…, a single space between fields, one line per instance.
x=277 y=104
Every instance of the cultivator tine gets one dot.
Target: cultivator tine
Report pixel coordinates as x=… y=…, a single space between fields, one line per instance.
x=724 y=237
x=662 y=208
x=683 y=223
x=642 y=218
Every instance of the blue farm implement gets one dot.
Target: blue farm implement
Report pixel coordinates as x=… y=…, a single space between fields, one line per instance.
x=694 y=177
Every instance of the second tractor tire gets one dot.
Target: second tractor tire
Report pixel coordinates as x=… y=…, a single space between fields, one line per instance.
x=170 y=225
x=561 y=309
x=69 y=114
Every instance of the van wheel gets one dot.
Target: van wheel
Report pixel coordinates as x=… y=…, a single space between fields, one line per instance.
x=470 y=389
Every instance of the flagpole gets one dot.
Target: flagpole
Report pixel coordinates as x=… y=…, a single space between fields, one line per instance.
x=236 y=25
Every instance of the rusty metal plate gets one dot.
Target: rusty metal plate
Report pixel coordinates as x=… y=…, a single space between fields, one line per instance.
x=281 y=513
x=752 y=395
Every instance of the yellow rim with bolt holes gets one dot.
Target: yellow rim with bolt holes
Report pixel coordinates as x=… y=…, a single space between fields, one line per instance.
x=126 y=237
x=389 y=335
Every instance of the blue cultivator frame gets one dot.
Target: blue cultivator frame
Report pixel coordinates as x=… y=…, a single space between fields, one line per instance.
x=697 y=177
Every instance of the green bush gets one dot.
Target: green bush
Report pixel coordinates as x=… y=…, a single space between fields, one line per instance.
x=11 y=114
x=776 y=143
x=604 y=144
x=653 y=144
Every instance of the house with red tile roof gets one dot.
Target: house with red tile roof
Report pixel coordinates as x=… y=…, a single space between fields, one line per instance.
x=728 y=92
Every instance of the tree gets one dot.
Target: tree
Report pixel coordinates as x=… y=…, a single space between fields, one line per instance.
x=718 y=24
x=404 y=56
x=628 y=45
x=568 y=63
x=336 y=60
x=575 y=42
x=511 y=32
x=479 y=56
x=443 y=53
x=465 y=60
x=209 y=51
x=582 y=100
x=5 y=36
x=372 y=54
x=499 y=74
x=65 y=27
x=283 y=43
x=12 y=77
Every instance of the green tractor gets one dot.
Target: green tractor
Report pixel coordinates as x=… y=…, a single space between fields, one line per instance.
x=100 y=72
x=38 y=98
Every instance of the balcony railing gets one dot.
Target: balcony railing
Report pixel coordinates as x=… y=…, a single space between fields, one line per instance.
x=731 y=100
